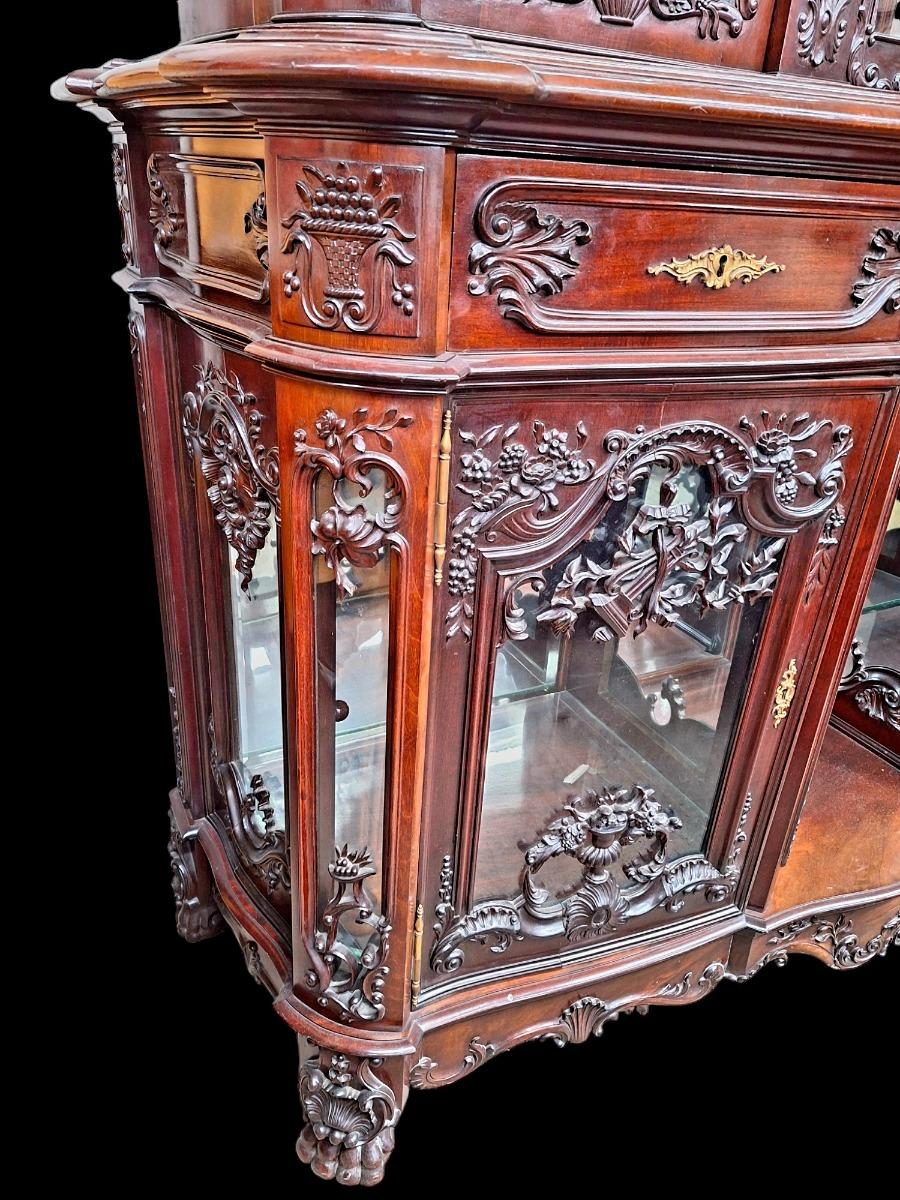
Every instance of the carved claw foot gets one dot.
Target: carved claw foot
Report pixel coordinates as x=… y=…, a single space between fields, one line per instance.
x=350 y=1114
x=196 y=914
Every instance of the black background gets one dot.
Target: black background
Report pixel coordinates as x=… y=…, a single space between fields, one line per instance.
x=169 y=1054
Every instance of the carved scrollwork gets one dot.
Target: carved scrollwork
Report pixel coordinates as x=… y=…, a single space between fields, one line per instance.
x=880 y=270
x=164 y=217
x=861 y=72
x=495 y=924
x=220 y=421
x=256 y=226
x=820 y=566
x=835 y=934
x=251 y=821
x=350 y=1115
x=349 y=535
x=875 y=690
x=123 y=201
x=347 y=219
x=196 y=916
x=522 y=252
x=351 y=977
x=427 y=1074
x=711 y=15
x=820 y=30
x=176 y=743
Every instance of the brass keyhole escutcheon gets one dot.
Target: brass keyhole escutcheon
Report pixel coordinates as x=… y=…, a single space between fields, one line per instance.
x=784 y=693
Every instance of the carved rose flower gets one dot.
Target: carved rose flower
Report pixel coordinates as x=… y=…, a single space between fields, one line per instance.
x=347 y=536
x=328 y=426
x=537 y=472
x=774 y=446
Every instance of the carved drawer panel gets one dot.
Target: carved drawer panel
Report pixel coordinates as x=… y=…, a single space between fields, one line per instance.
x=566 y=254
x=207 y=211
x=853 y=41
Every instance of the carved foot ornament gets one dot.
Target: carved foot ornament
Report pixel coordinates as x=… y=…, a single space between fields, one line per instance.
x=350 y=1116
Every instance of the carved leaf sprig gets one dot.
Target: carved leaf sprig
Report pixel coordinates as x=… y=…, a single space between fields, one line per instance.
x=525 y=251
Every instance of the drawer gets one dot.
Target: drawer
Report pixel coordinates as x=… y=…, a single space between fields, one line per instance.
x=566 y=254
x=206 y=209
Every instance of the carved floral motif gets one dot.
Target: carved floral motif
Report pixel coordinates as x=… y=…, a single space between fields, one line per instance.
x=242 y=476
x=352 y=978
x=718 y=267
x=881 y=271
x=350 y=535
x=347 y=219
x=875 y=690
x=164 y=217
x=123 y=201
x=820 y=566
x=350 y=1115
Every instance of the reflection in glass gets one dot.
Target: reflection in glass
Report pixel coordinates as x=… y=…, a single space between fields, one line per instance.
x=353 y=642
x=257 y=664
x=878 y=630
x=571 y=713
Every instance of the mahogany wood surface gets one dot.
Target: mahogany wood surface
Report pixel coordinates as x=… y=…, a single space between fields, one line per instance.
x=579 y=354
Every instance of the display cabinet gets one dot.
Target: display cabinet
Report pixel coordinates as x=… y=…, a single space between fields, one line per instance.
x=521 y=428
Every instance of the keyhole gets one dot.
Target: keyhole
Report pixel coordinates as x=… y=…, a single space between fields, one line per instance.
x=723 y=259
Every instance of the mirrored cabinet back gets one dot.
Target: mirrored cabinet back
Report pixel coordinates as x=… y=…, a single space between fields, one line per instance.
x=518 y=387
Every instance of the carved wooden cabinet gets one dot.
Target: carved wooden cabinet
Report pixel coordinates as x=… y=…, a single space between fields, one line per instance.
x=521 y=429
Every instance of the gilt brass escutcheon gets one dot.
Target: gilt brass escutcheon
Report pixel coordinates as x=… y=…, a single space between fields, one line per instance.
x=784 y=693
x=718 y=267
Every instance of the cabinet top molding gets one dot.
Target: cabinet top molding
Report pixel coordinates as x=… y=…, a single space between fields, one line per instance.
x=263 y=72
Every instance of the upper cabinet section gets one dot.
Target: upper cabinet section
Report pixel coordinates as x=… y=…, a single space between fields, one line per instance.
x=852 y=41
x=556 y=255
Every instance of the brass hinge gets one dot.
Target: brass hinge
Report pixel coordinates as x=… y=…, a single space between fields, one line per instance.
x=784 y=693
x=443 y=495
x=415 y=982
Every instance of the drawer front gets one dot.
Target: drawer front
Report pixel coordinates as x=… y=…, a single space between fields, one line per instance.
x=569 y=254
x=207 y=210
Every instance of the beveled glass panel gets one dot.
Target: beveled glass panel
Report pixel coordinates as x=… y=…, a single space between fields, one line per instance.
x=256 y=648
x=353 y=642
x=655 y=708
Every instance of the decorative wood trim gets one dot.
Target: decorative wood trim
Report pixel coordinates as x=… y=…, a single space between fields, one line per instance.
x=427 y=1074
x=350 y=1115
x=353 y=980
x=251 y=822
x=820 y=30
x=880 y=270
x=256 y=226
x=875 y=690
x=415 y=982
x=123 y=201
x=712 y=16
x=347 y=218
x=196 y=914
x=823 y=554
x=524 y=258
x=348 y=535
x=442 y=497
x=222 y=426
x=862 y=72
x=834 y=933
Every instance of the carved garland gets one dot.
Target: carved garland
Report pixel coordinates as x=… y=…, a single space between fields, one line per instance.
x=710 y=15
x=220 y=423
x=251 y=821
x=875 y=690
x=346 y=218
x=352 y=978
x=123 y=201
x=350 y=535
x=350 y=1115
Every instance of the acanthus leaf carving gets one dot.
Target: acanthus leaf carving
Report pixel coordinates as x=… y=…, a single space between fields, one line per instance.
x=880 y=270
x=522 y=252
x=820 y=30
x=348 y=534
x=350 y=1115
x=123 y=201
x=352 y=978
x=875 y=690
x=493 y=924
x=251 y=821
x=256 y=226
x=834 y=933
x=163 y=216
x=860 y=71
x=348 y=218
x=241 y=474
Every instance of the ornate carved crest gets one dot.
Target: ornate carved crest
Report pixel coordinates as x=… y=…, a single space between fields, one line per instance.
x=875 y=690
x=251 y=821
x=352 y=978
x=881 y=272
x=123 y=201
x=349 y=534
x=719 y=267
x=349 y=220
x=220 y=422
x=711 y=15
x=350 y=1116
